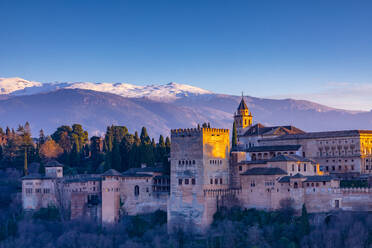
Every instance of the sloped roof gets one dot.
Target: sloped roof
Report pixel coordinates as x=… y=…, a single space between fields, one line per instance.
x=273 y=148
x=261 y=161
x=53 y=163
x=142 y=172
x=145 y=169
x=260 y=129
x=265 y=171
x=298 y=175
x=318 y=179
x=290 y=157
x=84 y=179
x=284 y=179
x=111 y=172
x=36 y=176
x=242 y=105
x=136 y=175
x=33 y=176
x=328 y=134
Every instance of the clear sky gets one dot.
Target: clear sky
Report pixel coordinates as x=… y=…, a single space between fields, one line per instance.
x=316 y=50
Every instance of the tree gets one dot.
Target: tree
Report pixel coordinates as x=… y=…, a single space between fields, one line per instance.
x=63 y=137
x=305 y=225
x=234 y=141
x=50 y=149
x=128 y=152
x=25 y=165
x=168 y=144
x=79 y=135
x=161 y=150
x=41 y=137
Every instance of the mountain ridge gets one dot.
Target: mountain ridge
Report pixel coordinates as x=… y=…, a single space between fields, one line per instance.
x=96 y=110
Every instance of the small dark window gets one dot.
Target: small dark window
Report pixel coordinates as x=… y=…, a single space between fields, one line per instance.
x=211 y=181
x=333 y=168
x=179 y=181
x=220 y=180
x=186 y=181
x=136 y=190
x=193 y=181
x=240 y=168
x=324 y=183
x=215 y=181
x=193 y=162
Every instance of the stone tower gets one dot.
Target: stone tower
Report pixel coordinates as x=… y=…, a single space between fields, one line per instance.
x=199 y=175
x=243 y=118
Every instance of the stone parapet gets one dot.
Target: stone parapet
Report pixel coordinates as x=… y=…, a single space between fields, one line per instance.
x=197 y=131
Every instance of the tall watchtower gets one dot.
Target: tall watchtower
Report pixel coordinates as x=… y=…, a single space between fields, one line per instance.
x=199 y=172
x=243 y=118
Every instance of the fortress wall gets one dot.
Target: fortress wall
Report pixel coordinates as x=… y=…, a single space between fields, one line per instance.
x=146 y=201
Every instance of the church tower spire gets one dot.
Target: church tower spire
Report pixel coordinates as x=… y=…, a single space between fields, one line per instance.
x=243 y=118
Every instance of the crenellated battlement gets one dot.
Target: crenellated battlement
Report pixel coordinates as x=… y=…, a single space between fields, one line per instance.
x=197 y=131
x=352 y=190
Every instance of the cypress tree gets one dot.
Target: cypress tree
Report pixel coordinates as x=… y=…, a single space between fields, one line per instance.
x=7 y=131
x=167 y=145
x=25 y=165
x=41 y=137
x=234 y=142
x=160 y=150
x=305 y=225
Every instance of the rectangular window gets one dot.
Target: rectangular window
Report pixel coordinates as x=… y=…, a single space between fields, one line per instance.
x=293 y=167
x=193 y=181
x=304 y=167
x=211 y=181
x=220 y=180
x=241 y=168
x=186 y=181
x=179 y=181
x=299 y=167
x=215 y=181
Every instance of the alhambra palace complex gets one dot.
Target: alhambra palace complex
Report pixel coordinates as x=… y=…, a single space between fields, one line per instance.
x=267 y=166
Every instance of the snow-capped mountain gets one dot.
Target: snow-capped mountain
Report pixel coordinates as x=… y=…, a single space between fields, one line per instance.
x=158 y=107
x=166 y=92
x=10 y=85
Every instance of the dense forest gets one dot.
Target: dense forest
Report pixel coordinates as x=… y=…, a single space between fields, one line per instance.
x=71 y=145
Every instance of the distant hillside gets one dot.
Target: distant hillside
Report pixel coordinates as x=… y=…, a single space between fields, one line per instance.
x=96 y=110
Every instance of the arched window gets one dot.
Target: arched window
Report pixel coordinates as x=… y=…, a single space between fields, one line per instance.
x=295 y=185
x=136 y=190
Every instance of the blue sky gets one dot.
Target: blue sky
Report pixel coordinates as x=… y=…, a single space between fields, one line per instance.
x=316 y=50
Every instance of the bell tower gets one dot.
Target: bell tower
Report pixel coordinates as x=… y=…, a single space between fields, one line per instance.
x=243 y=118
